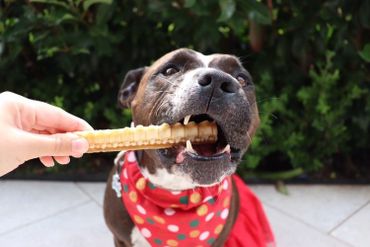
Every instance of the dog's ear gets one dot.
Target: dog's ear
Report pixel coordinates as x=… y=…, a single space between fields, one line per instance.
x=129 y=87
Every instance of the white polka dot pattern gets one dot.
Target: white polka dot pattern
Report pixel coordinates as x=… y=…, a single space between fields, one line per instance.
x=131 y=157
x=173 y=228
x=140 y=209
x=224 y=213
x=204 y=236
x=169 y=211
x=209 y=216
x=146 y=233
x=207 y=198
x=225 y=185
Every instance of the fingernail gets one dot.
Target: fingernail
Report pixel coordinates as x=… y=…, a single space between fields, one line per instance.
x=80 y=146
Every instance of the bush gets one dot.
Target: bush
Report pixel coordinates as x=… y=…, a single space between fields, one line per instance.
x=310 y=63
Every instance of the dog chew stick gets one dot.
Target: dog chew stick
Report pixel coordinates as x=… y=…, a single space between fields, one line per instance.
x=149 y=137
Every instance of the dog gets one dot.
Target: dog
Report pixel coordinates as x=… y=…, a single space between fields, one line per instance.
x=187 y=195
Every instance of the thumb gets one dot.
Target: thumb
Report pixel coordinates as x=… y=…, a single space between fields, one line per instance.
x=66 y=144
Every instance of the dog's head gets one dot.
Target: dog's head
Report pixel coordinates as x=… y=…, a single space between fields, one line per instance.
x=187 y=83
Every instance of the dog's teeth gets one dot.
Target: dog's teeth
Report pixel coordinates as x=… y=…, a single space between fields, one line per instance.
x=227 y=149
x=189 y=147
x=148 y=137
x=186 y=119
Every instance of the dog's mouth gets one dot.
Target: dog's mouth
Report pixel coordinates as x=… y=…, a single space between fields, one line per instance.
x=220 y=150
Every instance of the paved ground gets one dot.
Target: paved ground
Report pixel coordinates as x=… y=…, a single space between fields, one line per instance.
x=37 y=214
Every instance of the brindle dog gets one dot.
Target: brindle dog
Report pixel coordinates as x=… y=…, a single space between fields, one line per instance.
x=187 y=83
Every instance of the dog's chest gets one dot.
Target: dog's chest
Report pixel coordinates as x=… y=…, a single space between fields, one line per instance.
x=173 y=218
x=137 y=239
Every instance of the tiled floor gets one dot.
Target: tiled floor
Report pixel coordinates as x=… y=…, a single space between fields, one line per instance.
x=37 y=214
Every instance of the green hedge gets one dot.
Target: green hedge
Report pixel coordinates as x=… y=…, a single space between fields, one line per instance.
x=309 y=59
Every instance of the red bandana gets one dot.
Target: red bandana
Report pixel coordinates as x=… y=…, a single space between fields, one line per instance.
x=174 y=218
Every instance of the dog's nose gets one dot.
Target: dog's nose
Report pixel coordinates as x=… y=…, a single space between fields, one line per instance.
x=219 y=82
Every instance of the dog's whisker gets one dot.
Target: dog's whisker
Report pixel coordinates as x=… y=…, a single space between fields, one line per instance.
x=160 y=92
x=261 y=113
x=273 y=115
x=160 y=107
x=249 y=138
x=167 y=80
x=165 y=92
x=162 y=104
x=158 y=102
x=243 y=59
x=261 y=100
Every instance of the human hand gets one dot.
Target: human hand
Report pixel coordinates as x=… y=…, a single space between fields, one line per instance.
x=33 y=129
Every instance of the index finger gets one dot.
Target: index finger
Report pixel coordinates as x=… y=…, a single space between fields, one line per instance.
x=53 y=117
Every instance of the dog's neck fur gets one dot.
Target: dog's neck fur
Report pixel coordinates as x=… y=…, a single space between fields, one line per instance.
x=164 y=179
x=175 y=180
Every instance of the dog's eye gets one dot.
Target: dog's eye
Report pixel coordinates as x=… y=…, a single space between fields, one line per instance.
x=170 y=71
x=242 y=80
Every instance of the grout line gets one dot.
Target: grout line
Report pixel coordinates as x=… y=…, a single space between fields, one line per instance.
x=343 y=241
x=44 y=218
x=78 y=185
x=348 y=217
x=304 y=223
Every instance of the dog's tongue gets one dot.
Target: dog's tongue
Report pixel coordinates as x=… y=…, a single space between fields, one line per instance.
x=205 y=149
x=180 y=157
x=201 y=149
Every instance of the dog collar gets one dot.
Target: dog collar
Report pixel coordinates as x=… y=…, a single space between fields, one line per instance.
x=173 y=218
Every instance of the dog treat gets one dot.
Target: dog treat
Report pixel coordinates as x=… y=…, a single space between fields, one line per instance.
x=149 y=137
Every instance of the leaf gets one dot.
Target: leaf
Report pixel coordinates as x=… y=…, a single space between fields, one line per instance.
x=88 y=3
x=1 y=48
x=58 y=101
x=365 y=53
x=258 y=12
x=260 y=17
x=2 y=28
x=55 y=2
x=189 y=3
x=104 y=13
x=66 y=17
x=330 y=31
x=15 y=49
x=281 y=187
x=76 y=51
x=227 y=9
x=363 y=14
x=280 y=175
x=171 y=27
